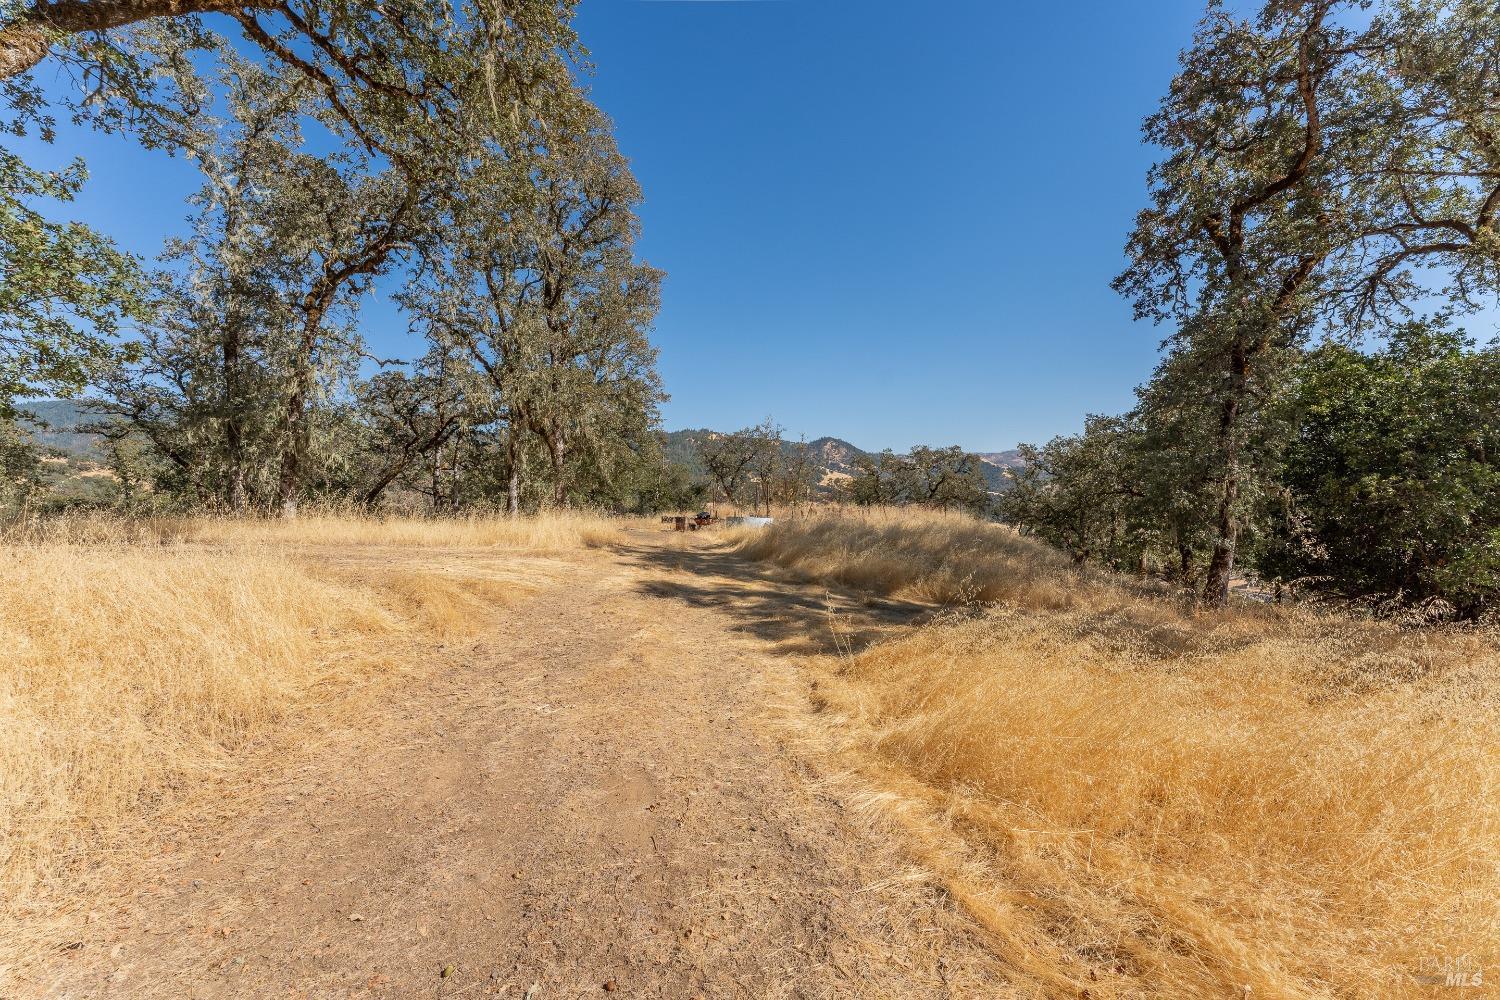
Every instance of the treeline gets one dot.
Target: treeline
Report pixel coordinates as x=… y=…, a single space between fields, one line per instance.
x=938 y=478
x=444 y=149
x=1385 y=483
x=1328 y=169
x=757 y=468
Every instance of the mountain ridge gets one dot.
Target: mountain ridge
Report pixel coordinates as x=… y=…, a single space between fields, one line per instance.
x=834 y=457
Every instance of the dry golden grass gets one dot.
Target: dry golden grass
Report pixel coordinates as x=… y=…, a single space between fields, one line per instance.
x=1135 y=800
x=920 y=555
x=138 y=656
x=563 y=531
x=552 y=533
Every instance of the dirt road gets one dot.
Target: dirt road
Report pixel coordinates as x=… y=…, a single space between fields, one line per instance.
x=594 y=797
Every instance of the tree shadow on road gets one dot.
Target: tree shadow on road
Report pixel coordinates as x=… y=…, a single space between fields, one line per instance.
x=771 y=604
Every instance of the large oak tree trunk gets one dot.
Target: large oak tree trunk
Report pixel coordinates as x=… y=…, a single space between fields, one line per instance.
x=513 y=486
x=557 y=451
x=290 y=483
x=1227 y=529
x=237 y=494
x=25 y=41
x=22 y=46
x=1226 y=522
x=296 y=421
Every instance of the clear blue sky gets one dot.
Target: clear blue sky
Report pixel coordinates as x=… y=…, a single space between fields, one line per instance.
x=890 y=222
x=887 y=222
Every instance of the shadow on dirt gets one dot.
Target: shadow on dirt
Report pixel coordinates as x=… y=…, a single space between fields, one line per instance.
x=771 y=604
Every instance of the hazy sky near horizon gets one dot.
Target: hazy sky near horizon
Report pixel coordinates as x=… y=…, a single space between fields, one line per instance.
x=886 y=223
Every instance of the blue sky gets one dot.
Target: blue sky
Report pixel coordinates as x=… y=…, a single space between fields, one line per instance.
x=891 y=223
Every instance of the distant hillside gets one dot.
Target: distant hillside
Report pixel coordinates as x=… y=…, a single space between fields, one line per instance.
x=1004 y=459
x=835 y=457
x=682 y=447
x=56 y=429
x=73 y=462
x=998 y=466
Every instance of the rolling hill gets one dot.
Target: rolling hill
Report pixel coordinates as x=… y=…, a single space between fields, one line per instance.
x=57 y=431
x=835 y=457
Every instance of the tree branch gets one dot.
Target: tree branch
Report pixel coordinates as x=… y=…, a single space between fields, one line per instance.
x=25 y=41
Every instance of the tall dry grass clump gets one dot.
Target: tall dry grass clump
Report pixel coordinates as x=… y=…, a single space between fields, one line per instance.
x=138 y=656
x=945 y=558
x=1139 y=801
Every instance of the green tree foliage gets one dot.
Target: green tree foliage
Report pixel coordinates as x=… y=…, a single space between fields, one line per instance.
x=944 y=478
x=757 y=468
x=1318 y=176
x=535 y=281
x=582 y=306
x=250 y=376
x=879 y=479
x=415 y=425
x=743 y=465
x=665 y=485
x=257 y=320
x=336 y=225
x=65 y=291
x=406 y=77
x=471 y=166
x=1078 y=492
x=20 y=469
x=947 y=478
x=1392 y=481
x=1425 y=177
x=798 y=476
x=1244 y=216
x=1382 y=483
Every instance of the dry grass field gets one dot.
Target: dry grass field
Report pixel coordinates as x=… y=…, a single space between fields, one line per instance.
x=271 y=760
x=559 y=740
x=555 y=532
x=138 y=655
x=1139 y=800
